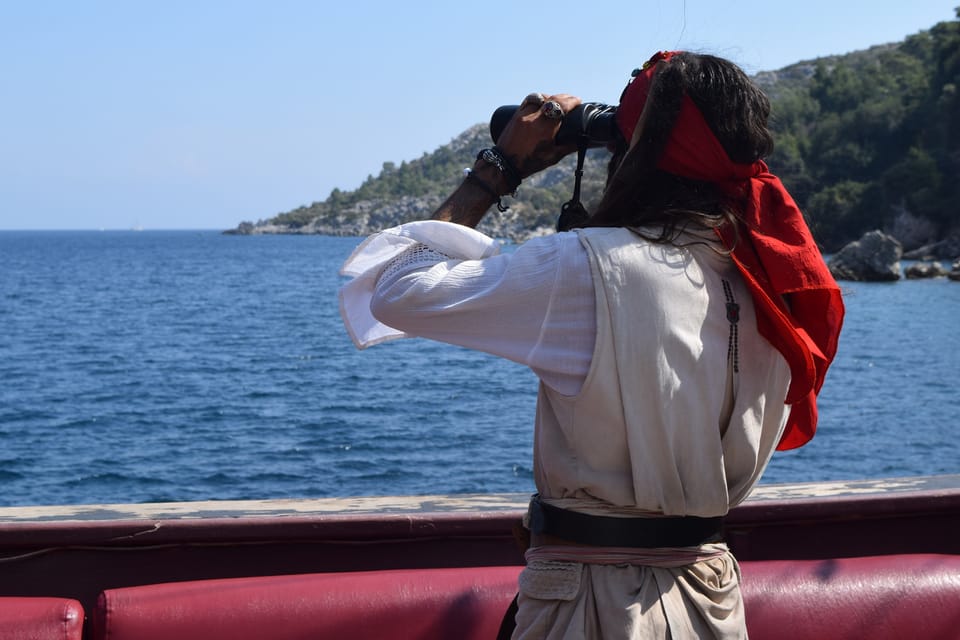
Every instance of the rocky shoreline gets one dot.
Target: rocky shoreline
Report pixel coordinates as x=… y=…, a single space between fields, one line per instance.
x=876 y=257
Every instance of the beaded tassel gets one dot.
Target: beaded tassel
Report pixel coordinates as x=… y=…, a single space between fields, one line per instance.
x=733 y=316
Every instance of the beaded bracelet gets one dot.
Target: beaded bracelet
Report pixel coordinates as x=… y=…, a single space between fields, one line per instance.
x=495 y=156
x=470 y=175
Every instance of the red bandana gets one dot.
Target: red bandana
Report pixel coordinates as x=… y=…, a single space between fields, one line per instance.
x=775 y=252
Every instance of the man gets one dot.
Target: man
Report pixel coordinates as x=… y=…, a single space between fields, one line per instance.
x=680 y=336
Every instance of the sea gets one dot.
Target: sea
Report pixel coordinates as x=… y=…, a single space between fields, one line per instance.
x=155 y=366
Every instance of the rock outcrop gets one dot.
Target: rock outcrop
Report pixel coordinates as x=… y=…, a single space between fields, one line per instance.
x=955 y=270
x=946 y=249
x=875 y=257
x=924 y=269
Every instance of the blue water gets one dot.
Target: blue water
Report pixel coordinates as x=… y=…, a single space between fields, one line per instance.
x=155 y=366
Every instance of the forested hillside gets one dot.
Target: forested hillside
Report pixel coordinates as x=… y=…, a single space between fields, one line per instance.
x=869 y=140
x=873 y=139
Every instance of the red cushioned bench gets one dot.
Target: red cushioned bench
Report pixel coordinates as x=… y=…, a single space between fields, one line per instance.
x=40 y=619
x=883 y=597
x=439 y=604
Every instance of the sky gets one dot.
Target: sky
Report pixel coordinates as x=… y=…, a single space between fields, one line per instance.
x=203 y=114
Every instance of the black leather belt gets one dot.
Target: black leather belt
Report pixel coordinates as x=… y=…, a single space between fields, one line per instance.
x=609 y=531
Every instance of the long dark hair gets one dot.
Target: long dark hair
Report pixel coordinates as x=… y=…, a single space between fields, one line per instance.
x=638 y=194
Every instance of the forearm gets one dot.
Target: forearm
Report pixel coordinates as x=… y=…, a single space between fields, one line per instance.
x=524 y=147
x=471 y=200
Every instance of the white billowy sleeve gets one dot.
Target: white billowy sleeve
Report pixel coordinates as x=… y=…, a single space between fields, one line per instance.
x=447 y=282
x=369 y=259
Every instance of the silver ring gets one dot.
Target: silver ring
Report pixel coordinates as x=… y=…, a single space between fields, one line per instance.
x=553 y=110
x=536 y=99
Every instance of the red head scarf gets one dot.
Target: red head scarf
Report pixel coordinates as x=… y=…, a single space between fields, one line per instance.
x=798 y=303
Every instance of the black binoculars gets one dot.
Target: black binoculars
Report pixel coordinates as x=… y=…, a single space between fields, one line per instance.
x=591 y=120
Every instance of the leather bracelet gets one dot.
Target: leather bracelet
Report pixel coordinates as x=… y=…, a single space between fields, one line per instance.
x=495 y=156
x=470 y=175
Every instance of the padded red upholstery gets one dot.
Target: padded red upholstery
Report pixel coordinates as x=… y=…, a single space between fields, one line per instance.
x=418 y=604
x=40 y=619
x=883 y=597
